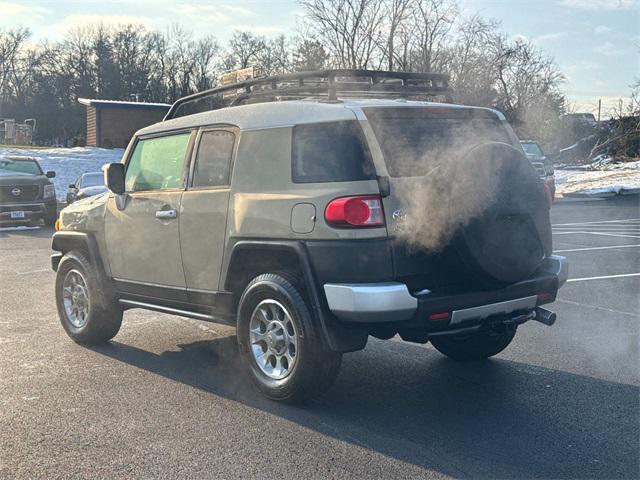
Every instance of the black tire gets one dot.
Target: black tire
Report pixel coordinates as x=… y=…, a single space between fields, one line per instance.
x=50 y=220
x=316 y=366
x=474 y=347
x=104 y=314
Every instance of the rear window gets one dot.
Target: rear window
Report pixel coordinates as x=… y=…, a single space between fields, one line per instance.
x=330 y=152
x=532 y=149
x=92 y=179
x=416 y=140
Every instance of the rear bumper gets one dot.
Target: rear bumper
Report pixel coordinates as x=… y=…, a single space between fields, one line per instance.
x=392 y=301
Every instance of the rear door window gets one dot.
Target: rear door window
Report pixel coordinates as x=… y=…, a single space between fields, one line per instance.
x=330 y=152
x=157 y=163
x=416 y=140
x=213 y=161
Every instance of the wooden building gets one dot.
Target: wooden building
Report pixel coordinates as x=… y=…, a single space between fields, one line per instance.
x=112 y=123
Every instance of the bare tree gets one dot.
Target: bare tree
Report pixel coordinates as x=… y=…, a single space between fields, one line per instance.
x=470 y=61
x=11 y=45
x=245 y=48
x=205 y=56
x=396 y=13
x=275 y=58
x=433 y=21
x=309 y=55
x=350 y=29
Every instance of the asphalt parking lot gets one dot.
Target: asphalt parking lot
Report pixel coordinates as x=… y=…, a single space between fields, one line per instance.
x=168 y=398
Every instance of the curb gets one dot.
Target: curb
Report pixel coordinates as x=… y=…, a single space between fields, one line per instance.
x=580 y=196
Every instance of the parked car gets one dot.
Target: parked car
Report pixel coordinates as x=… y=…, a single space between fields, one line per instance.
x=86 y=185
x=289 y=221
x=26 y=193
x=542 y=164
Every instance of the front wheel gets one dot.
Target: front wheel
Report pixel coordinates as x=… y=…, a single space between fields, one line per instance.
x=86 y=313
x=474 y=347
x=281 y=343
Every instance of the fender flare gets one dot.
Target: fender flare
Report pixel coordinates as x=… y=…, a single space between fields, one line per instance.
x=66 y=241
x=338 y=336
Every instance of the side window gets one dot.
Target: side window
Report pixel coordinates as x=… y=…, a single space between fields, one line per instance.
x=156 y=163
x=213 y=160
x=330 y=152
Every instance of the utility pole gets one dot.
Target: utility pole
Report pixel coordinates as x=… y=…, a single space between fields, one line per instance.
x=599 y=108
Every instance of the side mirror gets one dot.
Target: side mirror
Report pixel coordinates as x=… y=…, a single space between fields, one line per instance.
x=50 y=174
x=114 y=177
x=72 y=186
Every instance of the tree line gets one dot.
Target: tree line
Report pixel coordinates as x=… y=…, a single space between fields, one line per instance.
x=43 y=80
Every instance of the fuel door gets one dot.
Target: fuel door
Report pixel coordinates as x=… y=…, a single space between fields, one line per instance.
x=303 y=217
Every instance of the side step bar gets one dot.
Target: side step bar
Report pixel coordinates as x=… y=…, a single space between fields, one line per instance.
x=163 y=309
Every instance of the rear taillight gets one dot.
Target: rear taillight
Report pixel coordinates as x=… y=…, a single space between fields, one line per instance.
x=547 y=193
x=360 y=211
x=544 y=297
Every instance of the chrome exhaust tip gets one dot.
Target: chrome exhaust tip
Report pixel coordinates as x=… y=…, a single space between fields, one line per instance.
x=544 y=316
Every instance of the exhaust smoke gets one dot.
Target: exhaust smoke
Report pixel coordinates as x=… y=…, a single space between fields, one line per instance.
x=442 y=180
x=456 y=190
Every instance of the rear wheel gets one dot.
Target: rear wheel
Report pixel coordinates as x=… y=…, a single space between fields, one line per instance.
x=474 y=347
x=281 y=343
x=85 y=312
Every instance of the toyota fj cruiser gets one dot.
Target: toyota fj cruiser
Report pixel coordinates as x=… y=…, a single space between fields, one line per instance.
x=311 y=223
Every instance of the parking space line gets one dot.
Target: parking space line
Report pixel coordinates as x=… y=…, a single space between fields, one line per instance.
x=595 y=248
x=619 y=232
x=610 y=226
x=598 y=233
x=601 y=228
x=600 y=221
x=604 y=277
x=611 y=310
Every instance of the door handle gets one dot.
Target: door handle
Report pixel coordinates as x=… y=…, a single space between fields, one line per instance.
x=166 y=214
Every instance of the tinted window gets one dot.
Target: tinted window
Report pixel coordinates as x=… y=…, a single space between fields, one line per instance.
x=330 y=152
x=532 y=149
x=156 y=163
x=416 y=140
x=92 y=179
x=214 y=159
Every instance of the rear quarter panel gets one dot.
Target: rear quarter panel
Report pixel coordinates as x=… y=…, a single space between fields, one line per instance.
x=263 y=193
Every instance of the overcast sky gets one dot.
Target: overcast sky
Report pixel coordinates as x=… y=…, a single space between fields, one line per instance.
x=596 y=43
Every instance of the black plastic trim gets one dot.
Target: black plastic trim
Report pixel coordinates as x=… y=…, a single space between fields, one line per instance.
x=151 y=290
x=434 y=303
x=66 y=241
x=338 y=336
x=351 y=261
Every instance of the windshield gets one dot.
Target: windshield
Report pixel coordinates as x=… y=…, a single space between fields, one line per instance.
x=30 y=167
x=415 y=140
x=532 y=149
x=92 y=180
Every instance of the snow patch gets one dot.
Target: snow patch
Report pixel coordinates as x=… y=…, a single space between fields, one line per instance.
x=609 y=179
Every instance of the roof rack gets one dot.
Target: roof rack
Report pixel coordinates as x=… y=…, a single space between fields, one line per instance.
x=316 y=84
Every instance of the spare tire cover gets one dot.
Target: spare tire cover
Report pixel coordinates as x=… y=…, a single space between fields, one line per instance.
x=505 y=243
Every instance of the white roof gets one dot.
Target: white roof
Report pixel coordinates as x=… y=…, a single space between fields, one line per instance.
x=285 y=114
